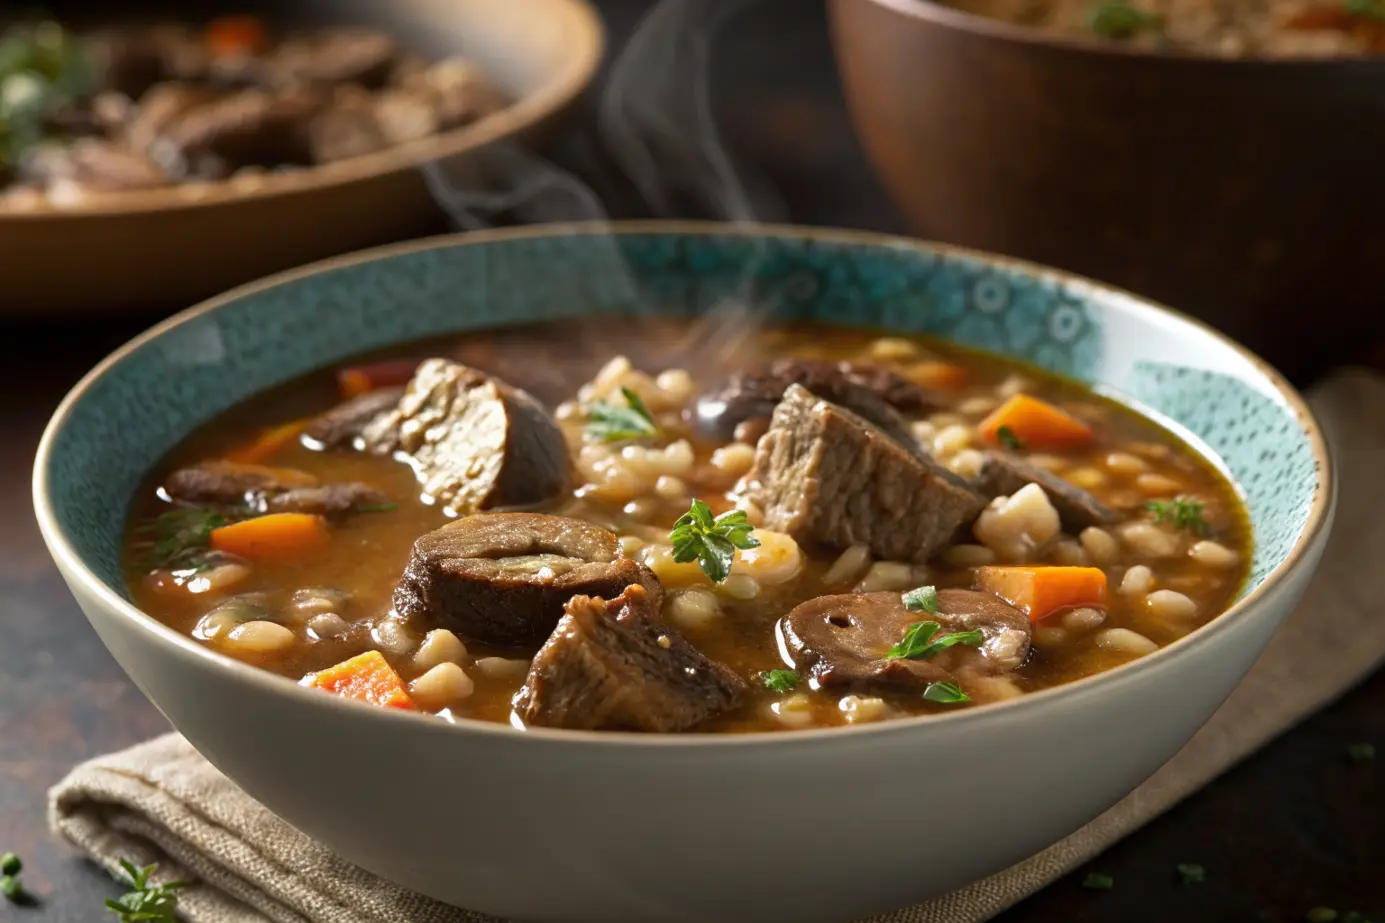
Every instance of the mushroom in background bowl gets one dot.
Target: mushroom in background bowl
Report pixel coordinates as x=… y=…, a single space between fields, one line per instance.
x=148 y=166
x=1235 y=187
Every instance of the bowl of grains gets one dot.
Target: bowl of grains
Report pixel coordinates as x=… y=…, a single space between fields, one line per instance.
x=1209 y=153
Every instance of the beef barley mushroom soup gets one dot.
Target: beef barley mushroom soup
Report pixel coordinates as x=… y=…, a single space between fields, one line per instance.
x=847 y=527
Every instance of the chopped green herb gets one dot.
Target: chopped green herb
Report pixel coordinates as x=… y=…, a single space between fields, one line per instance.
x=780 y=680
x=614 y=423
x=178 y=539
x=1191 y=874
x=1098 y=882
x=918 y=643
x=1119 y=20
x=1370 y=9
x=1008 y=438
x=1321 y=915
x=10 y=864
x=1361 y=752
x=44 y=70
x=145 y=902
x=921 y=599
x=11 y=888
x=946 y=693
x=712 y=543
x=1181 y=512
x=378 y=508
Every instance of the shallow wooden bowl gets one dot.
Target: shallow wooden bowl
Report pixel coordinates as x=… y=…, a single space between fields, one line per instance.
x=1238 y=190
x=166 y=248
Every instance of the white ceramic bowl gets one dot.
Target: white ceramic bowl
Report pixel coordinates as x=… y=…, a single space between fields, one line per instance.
x=554 y=826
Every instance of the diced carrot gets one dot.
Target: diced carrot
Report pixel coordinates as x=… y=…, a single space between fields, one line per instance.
x=945 y=376
x=1041 y=591
x=276 y=537
x=268 y=444
x=235 y=36
x=1036 y=424
x=362 y=379
x=366 y=677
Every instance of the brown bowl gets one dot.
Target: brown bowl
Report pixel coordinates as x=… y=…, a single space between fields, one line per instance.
x=166 y=248
x=1244 y=191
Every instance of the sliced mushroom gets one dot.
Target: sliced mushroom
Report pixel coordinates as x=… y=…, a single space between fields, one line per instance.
x=503 y=578
x=842 y=641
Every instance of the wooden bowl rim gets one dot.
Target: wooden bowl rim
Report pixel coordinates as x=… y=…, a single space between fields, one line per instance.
x=585 y=42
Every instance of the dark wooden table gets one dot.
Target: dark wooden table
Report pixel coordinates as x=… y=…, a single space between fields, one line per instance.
x=1295 y=827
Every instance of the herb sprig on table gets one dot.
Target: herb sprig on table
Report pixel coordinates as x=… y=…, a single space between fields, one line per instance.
x=145 y=902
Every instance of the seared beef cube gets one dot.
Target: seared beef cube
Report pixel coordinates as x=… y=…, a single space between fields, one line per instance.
x=94 y=164
x=331 y=500
x=339 y=427
x=476 y=442
x=613 y=666
x=333 y=56
x=159 y=108
x=870 y=391
x=503 y=578
x=232 y=484
x=1003 y=474
x=829 y=478
x=842 y=641
x=249 y=127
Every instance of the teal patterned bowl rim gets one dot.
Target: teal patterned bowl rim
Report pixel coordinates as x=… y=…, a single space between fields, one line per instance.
x=1068 y=320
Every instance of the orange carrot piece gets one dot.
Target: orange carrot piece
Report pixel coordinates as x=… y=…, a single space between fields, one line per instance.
x=268 y=444
x=945 y=376
x=276 y=537
x=1041 y=591
x=366 y=677
x=362 y=379
x=236 y=36
x=1036 y=424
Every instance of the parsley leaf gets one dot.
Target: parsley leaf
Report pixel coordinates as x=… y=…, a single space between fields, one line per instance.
x=1191 y=873
x=1008 y=438
x=1098 y=882
x=1370 y=9
x=712 y=543
x=1119 y=20
x=918 y=643
x=1180 y=512
x=614 y=423
x=780 y=680
x=145 y=902
x=921 y=599
x=946 y=693
x=1361 y=753
x=179 y=539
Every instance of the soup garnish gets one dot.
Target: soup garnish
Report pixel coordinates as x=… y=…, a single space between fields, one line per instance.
x=851 y=529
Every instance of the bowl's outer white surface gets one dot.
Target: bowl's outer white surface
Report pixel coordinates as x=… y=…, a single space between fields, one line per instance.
x=807 y=827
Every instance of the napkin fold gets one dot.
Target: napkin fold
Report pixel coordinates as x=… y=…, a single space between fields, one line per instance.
x=161 y=802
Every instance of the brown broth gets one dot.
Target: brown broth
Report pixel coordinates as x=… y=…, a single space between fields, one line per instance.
x=368 y=552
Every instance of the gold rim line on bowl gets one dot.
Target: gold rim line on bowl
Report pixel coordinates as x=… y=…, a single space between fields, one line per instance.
x=526 y=112
x=1319 y=515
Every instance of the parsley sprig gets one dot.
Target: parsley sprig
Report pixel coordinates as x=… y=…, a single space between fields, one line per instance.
x=921 y=599
x=780 y=680
x=1117 y=19
x=918 y=642
x=145 y=902
x=610 y=422
x=712 y=543
x=1181 y=513
x=1007 y=438
x=946 y=693
x=179 y=539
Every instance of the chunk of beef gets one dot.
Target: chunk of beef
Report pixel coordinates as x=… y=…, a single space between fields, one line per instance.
x=94 y=164
x=238 y=489
x=503 y=578
x=159 y=108
x=333 y=56
x=476 y=442
x=829 y=478
x=613 y=666
x=1003 y=474
x=248 y=127
x=339 y=427
x=842 y=641
x=870 y=391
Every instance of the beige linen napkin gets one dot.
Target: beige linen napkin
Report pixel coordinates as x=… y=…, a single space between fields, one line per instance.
x=161 y=802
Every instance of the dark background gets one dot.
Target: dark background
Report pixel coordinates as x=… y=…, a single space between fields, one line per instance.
x=1295 y=827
